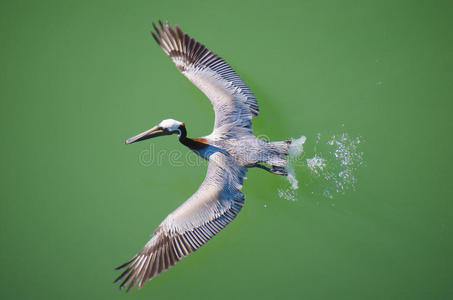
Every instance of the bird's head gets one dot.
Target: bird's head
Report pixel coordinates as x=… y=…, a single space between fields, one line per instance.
x=166 y=127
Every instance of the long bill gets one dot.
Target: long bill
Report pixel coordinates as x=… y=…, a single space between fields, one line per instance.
x=151 y=133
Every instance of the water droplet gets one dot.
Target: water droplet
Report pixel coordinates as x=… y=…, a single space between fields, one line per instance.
x=336 y=168
x=316 y=164
x=287 y=194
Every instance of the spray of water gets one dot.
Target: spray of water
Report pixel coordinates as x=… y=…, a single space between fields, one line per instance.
x=332 y=169
x=287 y=194
x=296 y=147
x=316 y=164
x=295 y=150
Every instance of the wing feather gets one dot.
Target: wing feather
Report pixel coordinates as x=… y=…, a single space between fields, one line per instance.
x=234 y=103
x=216 y=203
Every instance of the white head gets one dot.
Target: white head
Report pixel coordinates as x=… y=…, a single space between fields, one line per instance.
x=166 y=127
x=170 y=125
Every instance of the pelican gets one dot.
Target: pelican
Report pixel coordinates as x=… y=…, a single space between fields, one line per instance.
x=230 y=150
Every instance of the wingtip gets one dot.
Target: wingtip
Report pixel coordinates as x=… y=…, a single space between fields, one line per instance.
x=126 y=263
x=117 y=279
x=122 y=266
x=155 y=38
x=128 y=288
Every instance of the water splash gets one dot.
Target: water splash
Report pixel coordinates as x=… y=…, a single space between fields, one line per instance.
x=296 y=147
x=287 y=194
x=331 y=170
x=316 y=164
x=335 y=168
x=295 y=150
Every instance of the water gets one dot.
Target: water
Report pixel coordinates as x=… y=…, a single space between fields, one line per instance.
x=372 y=217
x=338 y=166
x=335 y=167
x=316 y=164
x=295 y=150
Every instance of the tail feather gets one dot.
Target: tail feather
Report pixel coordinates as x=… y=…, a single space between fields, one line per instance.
x=280 y=151
x=281 y=147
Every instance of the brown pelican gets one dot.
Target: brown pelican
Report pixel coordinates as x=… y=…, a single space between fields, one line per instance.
x=230 y=150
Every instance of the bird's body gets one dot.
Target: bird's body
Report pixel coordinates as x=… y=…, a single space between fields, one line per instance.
x=230 y=149
x=247 y=151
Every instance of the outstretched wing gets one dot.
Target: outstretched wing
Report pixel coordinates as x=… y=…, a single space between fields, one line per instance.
x=216 y=203
x=234 y=104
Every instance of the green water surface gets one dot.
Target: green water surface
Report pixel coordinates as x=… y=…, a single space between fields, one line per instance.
x=79 y=77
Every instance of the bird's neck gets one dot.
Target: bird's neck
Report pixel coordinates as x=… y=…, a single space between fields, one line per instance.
x=194 y=144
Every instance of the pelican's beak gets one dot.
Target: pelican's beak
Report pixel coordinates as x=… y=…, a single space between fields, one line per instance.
x=153 y=132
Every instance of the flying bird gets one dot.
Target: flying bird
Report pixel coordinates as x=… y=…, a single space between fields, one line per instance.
x=230 y=150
